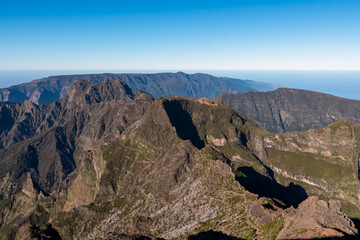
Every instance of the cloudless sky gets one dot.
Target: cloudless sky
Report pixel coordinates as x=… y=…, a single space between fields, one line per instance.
x=135 y=34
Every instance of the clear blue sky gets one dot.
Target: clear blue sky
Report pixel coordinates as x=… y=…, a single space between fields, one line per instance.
x=133 y=34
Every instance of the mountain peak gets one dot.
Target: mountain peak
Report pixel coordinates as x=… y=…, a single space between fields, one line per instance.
x=28 y=106
x=107 y=90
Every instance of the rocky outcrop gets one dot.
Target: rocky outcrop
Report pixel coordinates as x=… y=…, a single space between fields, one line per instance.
x=316 y=218
x=207 y=101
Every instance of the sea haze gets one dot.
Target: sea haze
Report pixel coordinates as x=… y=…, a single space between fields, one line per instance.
x=340 y=83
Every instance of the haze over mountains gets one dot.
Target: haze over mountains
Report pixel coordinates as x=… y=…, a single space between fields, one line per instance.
x=108 y=162
x=48 y=90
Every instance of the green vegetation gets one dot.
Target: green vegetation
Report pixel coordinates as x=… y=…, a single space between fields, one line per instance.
x=272 y=228
x=306 y=164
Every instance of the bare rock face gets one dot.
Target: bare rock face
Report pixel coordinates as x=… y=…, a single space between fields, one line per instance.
x=316 y=218
x=207 y=101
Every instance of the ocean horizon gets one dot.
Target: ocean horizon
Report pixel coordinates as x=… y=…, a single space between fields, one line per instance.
x=342 y=83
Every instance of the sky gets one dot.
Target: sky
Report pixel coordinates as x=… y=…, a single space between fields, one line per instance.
x=208 y=35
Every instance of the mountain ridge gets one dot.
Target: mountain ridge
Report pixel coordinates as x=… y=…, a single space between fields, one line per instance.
x=50 y=89
x=286 y=109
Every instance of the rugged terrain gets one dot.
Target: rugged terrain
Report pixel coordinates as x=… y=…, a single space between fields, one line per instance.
x=285 y=110
x=105 y=162
x=51 y=89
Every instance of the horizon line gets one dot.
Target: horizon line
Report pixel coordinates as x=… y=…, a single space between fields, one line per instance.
x=179 y=70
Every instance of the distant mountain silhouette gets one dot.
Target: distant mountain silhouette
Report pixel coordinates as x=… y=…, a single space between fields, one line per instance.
x=50 y=89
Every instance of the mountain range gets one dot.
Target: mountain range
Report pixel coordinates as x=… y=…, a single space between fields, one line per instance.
x=51 y=89
x=109 y=162
x=280 y=110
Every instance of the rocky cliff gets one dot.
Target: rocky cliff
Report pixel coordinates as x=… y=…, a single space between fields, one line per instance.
x=285 y=110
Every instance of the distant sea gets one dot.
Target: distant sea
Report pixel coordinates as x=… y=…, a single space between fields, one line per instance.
x=340 y=83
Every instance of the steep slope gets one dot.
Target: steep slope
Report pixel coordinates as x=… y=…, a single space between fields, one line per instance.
x=84 y=105
x=285 y=110
x=43 y=166
x=323 y=161
x=51 y=89
x=116 y=162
